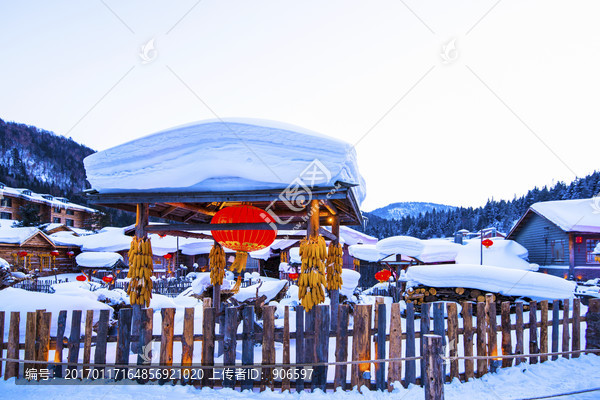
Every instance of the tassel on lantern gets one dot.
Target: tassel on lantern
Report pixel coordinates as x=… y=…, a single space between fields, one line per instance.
x=239 y=263
x=217 y=264
x=238 y=284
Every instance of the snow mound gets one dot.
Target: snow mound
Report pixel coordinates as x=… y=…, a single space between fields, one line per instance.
x=439 y=250
x=98 y=259
x=366 y=252
x=349 y=282
x=224 y=155
x=506 y=281
x=503 y=253
x=405 y=245
x=295 y=255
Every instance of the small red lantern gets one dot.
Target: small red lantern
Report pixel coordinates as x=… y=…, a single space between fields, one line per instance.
x=81 y=278
x=107 y=279
x=293 y=276
x=22 y=253
x=383 y=275
x=161 y=235
x=578 y=239
x=168 y=256
x=70 y=253
x=487 y=243
x=244 y=240
x=54 y=253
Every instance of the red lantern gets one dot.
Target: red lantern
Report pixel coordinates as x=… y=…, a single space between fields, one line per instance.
x=81 y=278
x=487 y=243
x=168 y=256
x=243 y=240
x=107 y=279
x=70 y=253
x=54 y=253
x=293 y=276
x=22 y=253
x=383 y=275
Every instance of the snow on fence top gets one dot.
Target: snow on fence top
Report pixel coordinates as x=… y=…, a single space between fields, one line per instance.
x=222 y=155
x=98 y=259
x=572 y=215
x=506 y=281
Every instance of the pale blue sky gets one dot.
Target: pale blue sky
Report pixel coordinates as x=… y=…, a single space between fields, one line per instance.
x=514 y=107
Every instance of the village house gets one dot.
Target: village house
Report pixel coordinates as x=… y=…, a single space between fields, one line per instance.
x=561 y=236
x=58 y=210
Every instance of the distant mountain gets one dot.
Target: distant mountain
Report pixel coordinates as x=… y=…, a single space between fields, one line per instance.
x=44 y=162
x=408 y=208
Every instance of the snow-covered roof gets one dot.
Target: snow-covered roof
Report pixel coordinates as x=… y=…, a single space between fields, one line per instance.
x=106 y=240
x=97 y=259
x=17 y=235
x=224 y=155
x=510 y=282
x=29 y=195
x=503 y=253
x=66 y=238
x=572 y=215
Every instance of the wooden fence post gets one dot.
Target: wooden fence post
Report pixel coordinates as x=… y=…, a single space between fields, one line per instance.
x=544 y=329
x=453 y=339
x=229 y=344
x=565 y=328
x=268 y=346
x=519 y=347
x=322 y=325
x=533 y=336
x=434 y=376
x=592 y=320
x=555 y=324
x=60 y=337
x=75 y=338
x=411 y=366
x=87 y=341
x=123 y=341
x=248 y=346
x=395 y=367
x=12 y=350
x=300 y=350
x=424 y=330
x=467 y=315
x=187 y=340
x=285 y=382
x=166 y=338
x=482 y=365
x=361 y=346
x=1 y=339
x=576 y=327
x=341 y=347
x=30 y=336
x=492 y=326
x=506 y=335
x=380 y=346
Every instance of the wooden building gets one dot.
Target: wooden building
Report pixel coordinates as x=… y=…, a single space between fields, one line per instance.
x=30 y=250
x=560 y=237
x=52 y=209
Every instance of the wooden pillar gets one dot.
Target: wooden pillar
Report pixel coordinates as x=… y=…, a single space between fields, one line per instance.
x=334 y=295
x=141 y=223
x=571 y=256
x=217 y=293
x=313 y=219
x=592 y=319
x=434 y=376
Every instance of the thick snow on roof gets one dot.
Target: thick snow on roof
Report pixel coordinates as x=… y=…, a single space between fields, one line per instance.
x=406 y=245
x=59 y=202
x=366 y=252
x=439 y=250
x=98 y=259
x=66 y=238
x=572 y=215
x=214 y=155
x=510 y=282
x=503 y=253
x=17 y=235
x=107 y=240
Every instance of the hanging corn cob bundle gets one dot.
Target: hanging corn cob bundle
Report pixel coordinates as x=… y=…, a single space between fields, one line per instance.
x=356 y=263
x=140 y=272
x=283 y=257
x=239 y=263
x=217 y=264
x=335 y=261
x=313 y=253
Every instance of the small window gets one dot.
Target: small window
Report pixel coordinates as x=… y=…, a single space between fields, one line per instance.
x=558 y=250
x=6 y=202
x=5 y=215
x=70 y=212
x=57 y=210
x=56 y=220
x=590 y=245
x=69 y=222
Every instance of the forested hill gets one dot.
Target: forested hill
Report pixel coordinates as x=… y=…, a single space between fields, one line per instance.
x=500 y=214
x=44 y=162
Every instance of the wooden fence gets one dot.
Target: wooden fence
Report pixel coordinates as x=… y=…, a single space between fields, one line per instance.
x=364 y=355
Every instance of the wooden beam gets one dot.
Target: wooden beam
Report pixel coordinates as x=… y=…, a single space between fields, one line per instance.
x=329 y=205
x=190 y=216
x=166 y=212
x=193 y=207
x=328 y=235
x=186 y=234
x=245 y=226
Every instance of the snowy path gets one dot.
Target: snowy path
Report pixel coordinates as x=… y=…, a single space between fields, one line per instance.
x=512 y=383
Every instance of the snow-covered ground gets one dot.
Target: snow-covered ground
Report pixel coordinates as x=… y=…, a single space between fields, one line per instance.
x=524 y=381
